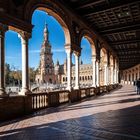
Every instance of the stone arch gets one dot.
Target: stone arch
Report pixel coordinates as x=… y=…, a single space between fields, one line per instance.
x=90 y=38
x=111 y=60
x=103 y=53
x=52 y=9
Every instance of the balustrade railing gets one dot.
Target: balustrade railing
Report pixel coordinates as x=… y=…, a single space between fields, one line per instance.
x=39 y=100
x=47 y=99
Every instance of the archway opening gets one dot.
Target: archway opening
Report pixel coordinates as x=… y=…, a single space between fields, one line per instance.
x=47 y=46
x=86 y=66
x=13 y=72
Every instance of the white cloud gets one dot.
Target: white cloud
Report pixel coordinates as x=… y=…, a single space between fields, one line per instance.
x=11 y=57
x=34 y=51
x=53 y=50
x=58 y=50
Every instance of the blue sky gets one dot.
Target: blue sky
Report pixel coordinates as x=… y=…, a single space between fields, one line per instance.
x=56 y=37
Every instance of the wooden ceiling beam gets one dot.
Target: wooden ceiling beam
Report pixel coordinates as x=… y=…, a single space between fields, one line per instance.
x=91 y=3
x=112 y=30
x=126 y=66
x=122 y=56
x=111 y=6
x=124 y=42
x=127 y=51
x=128 y=60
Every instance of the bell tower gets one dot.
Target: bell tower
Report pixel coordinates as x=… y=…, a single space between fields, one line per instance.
x=46 y=61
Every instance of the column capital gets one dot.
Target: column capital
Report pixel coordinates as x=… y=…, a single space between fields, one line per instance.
x=93 y=57
x=97 y=60
x=68 y=48
x=3 y=29
x=24 y=35
x=111 y=65
x=105 y=64
x=76 y=53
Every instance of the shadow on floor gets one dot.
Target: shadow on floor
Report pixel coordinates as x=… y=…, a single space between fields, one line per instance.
x=120 y=124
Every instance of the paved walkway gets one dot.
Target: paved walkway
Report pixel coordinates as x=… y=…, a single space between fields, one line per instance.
x=115 y=116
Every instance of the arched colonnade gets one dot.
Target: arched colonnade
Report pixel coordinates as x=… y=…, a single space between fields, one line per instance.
x=104 y=60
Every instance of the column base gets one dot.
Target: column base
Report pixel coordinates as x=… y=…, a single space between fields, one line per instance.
x=77 y=87
x=24 y=91
x=97 y=85
x=69 y=88
x=93 y=86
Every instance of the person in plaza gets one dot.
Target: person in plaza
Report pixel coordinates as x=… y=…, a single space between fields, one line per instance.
x=138 y=86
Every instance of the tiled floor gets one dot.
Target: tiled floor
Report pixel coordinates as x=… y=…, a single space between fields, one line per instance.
x=115 y=116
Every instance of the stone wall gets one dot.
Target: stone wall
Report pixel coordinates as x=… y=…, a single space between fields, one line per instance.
x=12 y=107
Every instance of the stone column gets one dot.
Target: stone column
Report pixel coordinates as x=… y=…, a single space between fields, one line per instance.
x=94 y=71
x=105 y=74
x=3 y=29
x=108 y=74
x=131 y=79
x=134 y=75
x=115 y=75
x=76 y=54
x=69 y=60
x=111 y=69
x=97 y=73
x=127 y=77
x=138 y=73
x=25 y=73
x=123 y=78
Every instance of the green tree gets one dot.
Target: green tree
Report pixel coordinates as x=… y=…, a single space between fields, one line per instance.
x=14 y=76
x=7 y=74
x=32 y=74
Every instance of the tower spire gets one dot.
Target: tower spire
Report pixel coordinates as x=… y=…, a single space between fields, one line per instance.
x=46 y=32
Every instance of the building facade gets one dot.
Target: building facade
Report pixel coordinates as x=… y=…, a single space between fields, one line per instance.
x=85 y=75
x=130 y=75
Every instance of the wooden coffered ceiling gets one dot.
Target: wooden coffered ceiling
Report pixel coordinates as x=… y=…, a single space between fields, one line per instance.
x=117 y=21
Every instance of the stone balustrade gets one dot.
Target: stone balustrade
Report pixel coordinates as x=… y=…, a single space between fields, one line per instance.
x=16 y=106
